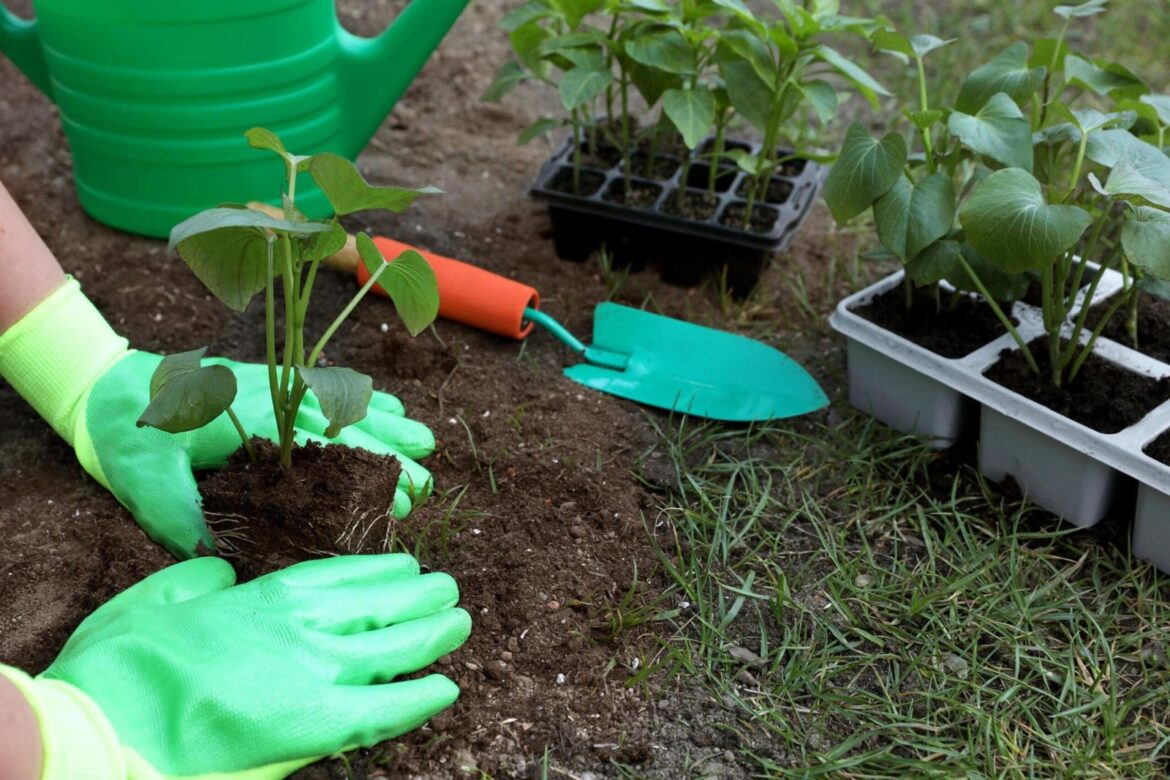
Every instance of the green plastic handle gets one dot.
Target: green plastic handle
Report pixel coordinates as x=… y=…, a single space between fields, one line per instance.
x=20 y=40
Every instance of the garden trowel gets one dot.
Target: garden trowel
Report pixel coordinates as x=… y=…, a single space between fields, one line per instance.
x=635 y=354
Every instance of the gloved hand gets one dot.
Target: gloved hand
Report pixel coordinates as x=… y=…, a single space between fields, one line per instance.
x=67 y=362
x=185 y=676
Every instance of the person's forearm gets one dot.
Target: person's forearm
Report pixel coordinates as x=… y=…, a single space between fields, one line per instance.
x=28 y=270
x=20 y=736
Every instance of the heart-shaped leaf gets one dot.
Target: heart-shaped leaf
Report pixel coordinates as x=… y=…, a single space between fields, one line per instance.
x=1113 y=147
x=1087 y=8
x=262 y=138
x=581 y=85
x=1007 y=221
x=998 y=130
x=865 y=171
x=348 y=192
x=821 y=96
x=910 y=217
x=185 y=396
x=1145 y=237
x=1107 y=79
x=1007 y=72
x=409 y=281
x=1160 y=104
x=692 y=111
x=342 y=393
x=1128 y=183
x=321 y=245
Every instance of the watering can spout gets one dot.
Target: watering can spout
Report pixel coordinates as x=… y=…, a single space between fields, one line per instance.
x=20 y=40
x=374 y=72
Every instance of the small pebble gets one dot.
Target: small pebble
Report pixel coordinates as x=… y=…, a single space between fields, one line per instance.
x=553 y=606
x=506 y=656
x=577 y=532
x=560 y=679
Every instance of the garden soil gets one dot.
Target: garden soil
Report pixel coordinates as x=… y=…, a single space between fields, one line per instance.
x=538 y=512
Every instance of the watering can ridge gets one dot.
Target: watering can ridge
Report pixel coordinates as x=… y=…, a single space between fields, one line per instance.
x=155 y=97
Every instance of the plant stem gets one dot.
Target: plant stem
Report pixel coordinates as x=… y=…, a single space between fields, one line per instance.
x=1052 y=323
x=292 y=183
x=716 y=155
x=270 y=335
x=349 y=307
x=576 y=152
x=627 y=152
x=923 y=106
x=1003 y=318
x=290 y=308
x=1088 y=348
x=243 y=435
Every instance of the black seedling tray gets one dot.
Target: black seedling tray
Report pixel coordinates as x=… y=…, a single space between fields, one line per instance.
x=683 y=248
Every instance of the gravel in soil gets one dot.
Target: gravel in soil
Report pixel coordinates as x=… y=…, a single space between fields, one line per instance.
x=641 y=195
x=1104 y=396
x=698 y=206
x=1153 y=325
x=962 y=326
x=763 y=218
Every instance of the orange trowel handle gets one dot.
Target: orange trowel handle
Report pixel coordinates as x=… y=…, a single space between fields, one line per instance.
x=469 y=294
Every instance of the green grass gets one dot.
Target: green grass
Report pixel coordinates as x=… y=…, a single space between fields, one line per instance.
x=867 y=608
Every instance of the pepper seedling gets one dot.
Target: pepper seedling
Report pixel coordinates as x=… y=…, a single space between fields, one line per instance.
x=238 y=252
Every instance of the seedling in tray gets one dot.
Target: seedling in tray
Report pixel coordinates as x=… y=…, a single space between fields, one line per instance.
x=238 y=252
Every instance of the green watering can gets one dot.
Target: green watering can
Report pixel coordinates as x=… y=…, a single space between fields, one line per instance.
x=155 y=95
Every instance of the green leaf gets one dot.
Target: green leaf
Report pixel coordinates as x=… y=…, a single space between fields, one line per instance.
x=924 y=119
x=666 y=49
x=1000 y=284
x=910 y=217
x=742 y=44
x=581 y=85
x=1007 y=72
x=650 y=82
x=650 y=6
x=537 y=129
x=321 y=245
x=998 y=130
x=750 y=164
x=508 y=77
x=348 y=192
x=1007 y=220
x=527 y=40
x=227 y=249
x=865 y=171
x=916 y=46
x=525 y=14
x=1145 y=237
x=692 y=111
x=342 y=393
x=185 y=396
x=261 y=138
x=1044 y=52
x=1114 y=147
x=576 y=10
x=749 y=95
x=866 y=84
x=937 y=262
x=1128 y=183
x=409 y=281
x=1160 y=104
x=1087 y=8
x=1107 y=79
x=821 y=96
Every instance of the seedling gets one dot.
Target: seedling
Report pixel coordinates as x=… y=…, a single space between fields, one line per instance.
x=238 y=252
x=1036 y=185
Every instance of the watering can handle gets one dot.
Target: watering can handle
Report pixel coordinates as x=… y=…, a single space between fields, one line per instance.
x=21 y=41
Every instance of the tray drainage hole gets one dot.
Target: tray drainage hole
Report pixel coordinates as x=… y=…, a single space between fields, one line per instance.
x=696 y=205
x=590 y=182
x=642 y=194
x=779 y=191
x=763 y=217
x=700 y=177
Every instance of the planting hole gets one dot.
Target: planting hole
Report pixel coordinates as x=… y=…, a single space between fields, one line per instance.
x=696 y=205
x=589 y=183
x=659 y=167
x=642 y=194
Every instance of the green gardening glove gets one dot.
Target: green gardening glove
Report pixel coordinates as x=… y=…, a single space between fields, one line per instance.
x=185 y=676
x=67 y=362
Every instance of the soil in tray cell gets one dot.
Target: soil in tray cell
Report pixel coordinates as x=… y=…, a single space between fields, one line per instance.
x=1153 y=325
x=1104 y=396
x=696 y=205
x=699 y=177
x=1159 y=448
x=792 y=168
x=599 y=155
x=641 y=195
x=590 y=182
x=763 y=218
x=659 y=167
x=333 y=499
x=958 y=329
x=778 y=191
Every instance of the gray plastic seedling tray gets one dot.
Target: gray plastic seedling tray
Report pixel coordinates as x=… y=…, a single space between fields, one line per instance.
x=1063 y=466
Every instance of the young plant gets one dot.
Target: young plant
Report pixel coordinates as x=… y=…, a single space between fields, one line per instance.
x=1021 y=168
x=238 y=252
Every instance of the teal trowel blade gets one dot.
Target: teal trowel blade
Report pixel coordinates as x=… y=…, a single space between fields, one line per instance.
x=691 y=369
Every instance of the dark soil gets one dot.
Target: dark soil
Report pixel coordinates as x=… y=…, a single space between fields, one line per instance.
x=763 y=217
x=588 y=183
x=658 y=167
x=1159 y=448
x=600 y=155
x=331 y=500
x=641 y=195
x=699 y=177
x=953 y=332
x=1153 y=325
x=708 y=146
x=698 y=206
x=1104 y=396
x=778 y=190
x=792 y=168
